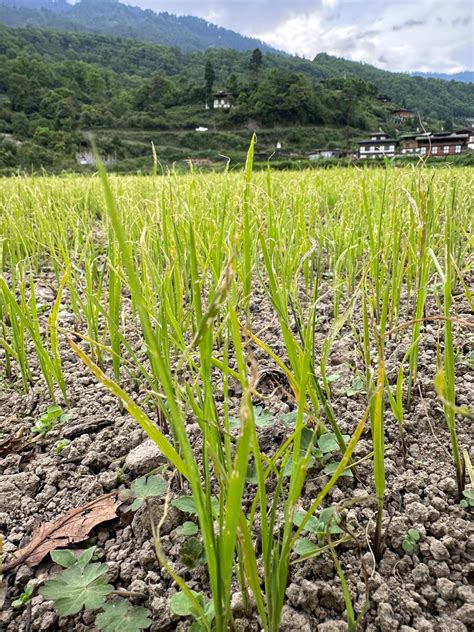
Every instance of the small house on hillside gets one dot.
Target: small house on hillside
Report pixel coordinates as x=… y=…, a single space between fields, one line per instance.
x=222 y=100
x=384 y=98
x=402 y=116
x=470 y=136
x=409 y=143
x=378 y=145
x=445 y=143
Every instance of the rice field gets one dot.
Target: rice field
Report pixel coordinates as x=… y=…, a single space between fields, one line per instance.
x=294 y=351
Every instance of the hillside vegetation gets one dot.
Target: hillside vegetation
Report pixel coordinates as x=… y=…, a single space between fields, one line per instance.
x=111 y=17
x=54 y=86
x=432 y=97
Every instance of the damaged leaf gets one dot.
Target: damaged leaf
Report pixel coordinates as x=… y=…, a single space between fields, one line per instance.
x=74 y=526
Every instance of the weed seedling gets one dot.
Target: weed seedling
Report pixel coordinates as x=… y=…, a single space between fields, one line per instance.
x=182 y=606
x=83 y=584
x=25 y=596
x=60 y=445
x=53 y=416
x=410 y=541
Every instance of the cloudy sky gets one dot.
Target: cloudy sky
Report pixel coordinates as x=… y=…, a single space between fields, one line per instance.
x=428 y=35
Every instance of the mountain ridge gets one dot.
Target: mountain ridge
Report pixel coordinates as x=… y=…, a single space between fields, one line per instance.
x=114 y=18
x=466 y=76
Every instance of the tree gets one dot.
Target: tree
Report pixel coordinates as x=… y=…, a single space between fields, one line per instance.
x=209 y=76
x=256 y=60
x=255 y=64
x=232 y=85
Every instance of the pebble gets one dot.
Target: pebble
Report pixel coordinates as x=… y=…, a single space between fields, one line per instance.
x=438 y=550
x=466 y=614
x=446 y=588
x=332 y=626
x=417 y=512
x=466 y=594
x=420 y=574
x=143 y=458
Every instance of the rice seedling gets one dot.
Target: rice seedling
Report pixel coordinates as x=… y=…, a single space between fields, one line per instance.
x=178 y=293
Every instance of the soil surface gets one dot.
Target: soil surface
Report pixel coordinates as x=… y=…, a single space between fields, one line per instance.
x=429 y=590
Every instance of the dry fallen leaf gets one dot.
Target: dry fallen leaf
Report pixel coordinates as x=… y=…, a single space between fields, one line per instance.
x=15 y=442
x=73 y=526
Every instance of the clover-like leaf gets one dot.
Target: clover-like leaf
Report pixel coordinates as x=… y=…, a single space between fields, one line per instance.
x=306 y=445
x=327 y=442
x=181 y=605
x=147 y=487
x=322 y=524
x=78 y=587
x=192 y=553
x=357 y=387
x=187 y=504
x=120 y=616
x=63 y=557
x=332 y=467
x=414 y=535
x=263 y=418
x=304 y=547
x=312 y=525
x=188 y=528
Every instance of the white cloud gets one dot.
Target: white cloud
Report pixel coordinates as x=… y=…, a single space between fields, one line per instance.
x=392 y=34
x=399 y=36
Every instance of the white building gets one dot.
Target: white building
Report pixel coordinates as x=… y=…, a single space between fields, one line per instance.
x=379 y=145
x=222 y=101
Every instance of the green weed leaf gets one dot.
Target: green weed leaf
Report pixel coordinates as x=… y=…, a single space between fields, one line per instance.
x=191 y=553
x=188 y=528
x=327 y=442
x=187 y=504
x=120 y=616
x=181 y=605
x=78 y=587
x=304 y=547
x=63 y=557
x=147 y=487
x=332 y=467
x=357 y=387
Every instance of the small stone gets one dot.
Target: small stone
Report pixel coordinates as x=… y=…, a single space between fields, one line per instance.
x=381 y=594
x=440 y=569
x=163 y=619
x=386 y=618
x=238 y=606
x=438 y=550
x=332 y=626
x=466 y=594
x=447 y=624
x=14 y=487
x=143 y=458
x=23 y=575
x=466 y=614
x=108 y=480
x=48 y=621
x=292 y=620
x=420 y=574
x=423 y=625
x=417 y=512
x=446 y=588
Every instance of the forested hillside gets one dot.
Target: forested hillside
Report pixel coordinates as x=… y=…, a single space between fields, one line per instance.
x=111 y=17
x=54 y=86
